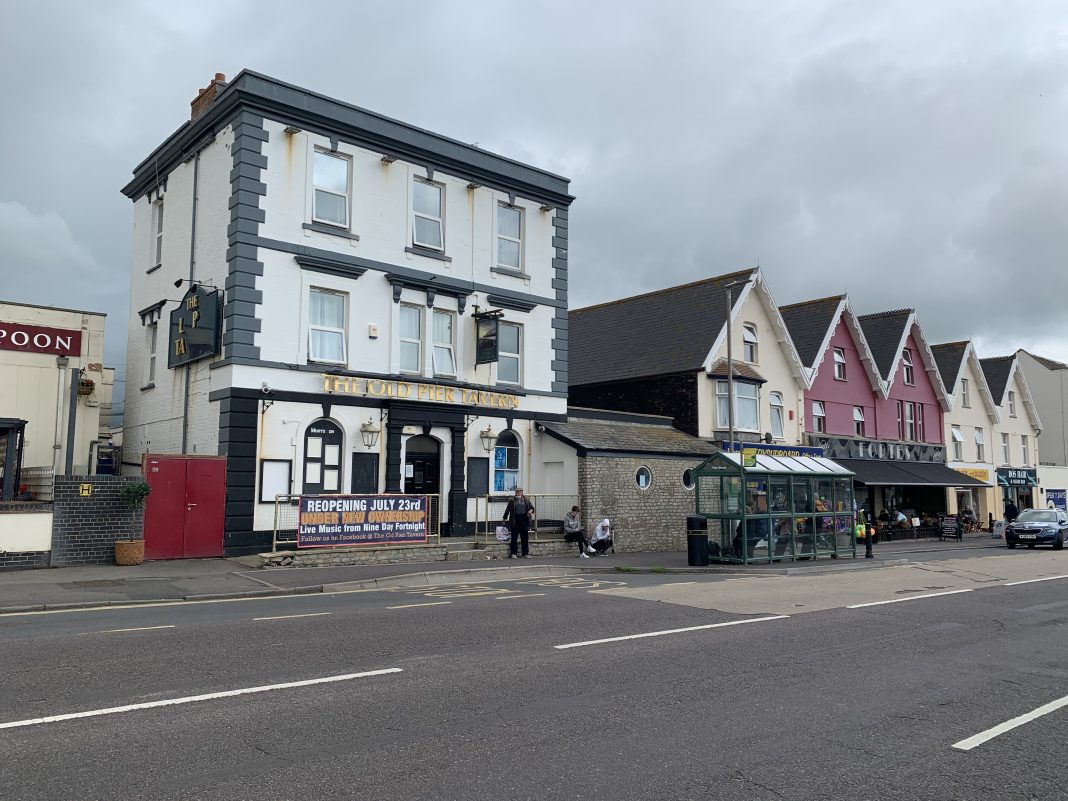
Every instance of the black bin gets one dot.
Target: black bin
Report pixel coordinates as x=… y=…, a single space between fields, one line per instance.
x=697 y=541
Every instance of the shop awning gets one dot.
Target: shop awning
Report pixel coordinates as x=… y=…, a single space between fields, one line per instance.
x=875 y=473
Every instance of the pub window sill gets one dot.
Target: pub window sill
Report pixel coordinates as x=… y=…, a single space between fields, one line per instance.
x=321 y=228
x=429 y=253
x=151 y=270
x=510 y=273
x=148 y=386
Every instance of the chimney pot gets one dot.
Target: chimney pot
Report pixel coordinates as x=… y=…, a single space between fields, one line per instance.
x=220 y=77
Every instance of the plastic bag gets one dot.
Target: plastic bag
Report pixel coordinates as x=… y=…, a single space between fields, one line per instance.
x=503 y=534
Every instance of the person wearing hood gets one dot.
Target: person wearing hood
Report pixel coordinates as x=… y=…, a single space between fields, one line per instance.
x=602 y=537
x=573 y=533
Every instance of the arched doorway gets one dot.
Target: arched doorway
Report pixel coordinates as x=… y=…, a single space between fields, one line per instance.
x=422 y=466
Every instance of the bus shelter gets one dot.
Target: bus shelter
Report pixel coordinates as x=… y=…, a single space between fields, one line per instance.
x=762 y=508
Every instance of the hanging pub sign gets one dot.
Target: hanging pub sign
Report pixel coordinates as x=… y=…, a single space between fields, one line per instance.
x=195 y=327
x=486 y=329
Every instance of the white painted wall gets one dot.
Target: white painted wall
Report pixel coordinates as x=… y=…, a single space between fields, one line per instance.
x=772 y=363
x=35 y=389
x=1016 y=427
x=25 y=531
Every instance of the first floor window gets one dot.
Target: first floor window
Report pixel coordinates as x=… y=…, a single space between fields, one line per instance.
x=1024 y=450
x=330 y=179
x=819 y=417
x=326 y=326
x=746 y=406
x=910 y=372
x=919 y=423
x=980 y=442
x=509 y=237
x=506 y=462
x=444 y=339
x=777 y=426
x=958 y=444
x=151 y=342
x=158 y=231
x=509 y=356
x=858 y=420
x=900 y=420
x=910 y=422
x=428 y=215
x=1006 y=457
x=411 y=339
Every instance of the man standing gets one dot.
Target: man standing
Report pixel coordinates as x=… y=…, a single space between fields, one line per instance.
x=1011 y=512
x=517 y=515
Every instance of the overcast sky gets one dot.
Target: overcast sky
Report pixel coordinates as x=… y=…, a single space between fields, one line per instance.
x=910 y=153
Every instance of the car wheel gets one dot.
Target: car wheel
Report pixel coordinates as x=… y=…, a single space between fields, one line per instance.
x=1059 y=543
x=1010 y=545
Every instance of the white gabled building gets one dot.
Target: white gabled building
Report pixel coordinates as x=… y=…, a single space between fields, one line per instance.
x=350 y=253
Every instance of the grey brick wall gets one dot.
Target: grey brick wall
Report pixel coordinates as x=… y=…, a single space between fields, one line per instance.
x=85 y=528
x=652 y=519
x=23 y=560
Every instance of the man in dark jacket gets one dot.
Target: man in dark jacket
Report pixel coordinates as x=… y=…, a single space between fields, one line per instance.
x=1011 y=512
x=517 y=515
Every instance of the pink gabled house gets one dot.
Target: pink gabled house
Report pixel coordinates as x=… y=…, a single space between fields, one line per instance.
x=876 y=402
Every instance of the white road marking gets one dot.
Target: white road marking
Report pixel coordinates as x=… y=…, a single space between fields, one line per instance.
x=15 y=724
x=524 y=595
x=678 y=583
x=671 y=631
x=290 y=617
x=910 y=598
x=119 y=631
x=1009 y=725
x=412 y=606
x=1033 y=581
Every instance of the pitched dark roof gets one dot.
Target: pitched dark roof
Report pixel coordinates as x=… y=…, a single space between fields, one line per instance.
x=808 y=323
x=588 y=434
x=884 y=330
x=949 y=356
x=667 y=331
x=997 y=370
x=1049 y=364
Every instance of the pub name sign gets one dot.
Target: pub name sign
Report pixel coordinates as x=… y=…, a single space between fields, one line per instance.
x=406 y=390
x=40 y=339
x=194 y=329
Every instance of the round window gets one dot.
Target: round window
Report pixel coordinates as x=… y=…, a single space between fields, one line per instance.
x=643 y=478
x=687 y=478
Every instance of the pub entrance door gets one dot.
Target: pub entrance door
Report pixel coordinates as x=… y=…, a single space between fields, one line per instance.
x=184 y=512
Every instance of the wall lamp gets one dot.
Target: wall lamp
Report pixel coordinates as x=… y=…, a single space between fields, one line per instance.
x=488 y=438
x=369 y=431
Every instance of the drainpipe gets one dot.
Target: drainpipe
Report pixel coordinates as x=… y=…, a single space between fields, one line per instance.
x=72 y=416
x=192 y=268
x=57 y=445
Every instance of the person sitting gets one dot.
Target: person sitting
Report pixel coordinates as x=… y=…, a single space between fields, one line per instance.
x=901 y=521
x=573 y=533
x=602 y=537
x=884 y=517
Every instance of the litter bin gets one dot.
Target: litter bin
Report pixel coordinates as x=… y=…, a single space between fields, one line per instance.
x=697 y=541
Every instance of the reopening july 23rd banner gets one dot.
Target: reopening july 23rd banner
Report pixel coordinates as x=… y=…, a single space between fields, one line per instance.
x=331 y=520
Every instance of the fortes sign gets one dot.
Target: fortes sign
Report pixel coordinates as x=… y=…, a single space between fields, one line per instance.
x=39 y=339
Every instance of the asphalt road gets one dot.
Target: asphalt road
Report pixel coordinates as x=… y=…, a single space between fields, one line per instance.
x=765 y=688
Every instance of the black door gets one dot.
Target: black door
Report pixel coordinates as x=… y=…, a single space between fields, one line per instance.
x=422 y=466
x=364 y=473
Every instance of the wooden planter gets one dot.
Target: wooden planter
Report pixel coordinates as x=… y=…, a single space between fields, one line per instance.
x=129 y=552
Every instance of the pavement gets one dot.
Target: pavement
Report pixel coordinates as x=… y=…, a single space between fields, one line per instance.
x=241 y=577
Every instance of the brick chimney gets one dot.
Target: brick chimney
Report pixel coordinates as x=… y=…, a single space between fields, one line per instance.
x=205 y=97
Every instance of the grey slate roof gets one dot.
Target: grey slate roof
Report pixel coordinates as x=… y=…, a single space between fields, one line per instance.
x=949 y=356
x=667 y=331
x=588 y=434
x=808 y=323
x=883 y=331
x=997 y=370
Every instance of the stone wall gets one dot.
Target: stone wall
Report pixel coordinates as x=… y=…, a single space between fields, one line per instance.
x=653 y=519
x=23 y=560
x=85 y=527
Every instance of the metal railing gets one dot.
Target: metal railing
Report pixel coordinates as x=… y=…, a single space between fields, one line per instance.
x=287 y=517
x=549 y=513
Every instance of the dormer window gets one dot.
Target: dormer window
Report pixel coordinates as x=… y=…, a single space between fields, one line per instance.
x=910 y=372
x=819 y=417
x=749 y=343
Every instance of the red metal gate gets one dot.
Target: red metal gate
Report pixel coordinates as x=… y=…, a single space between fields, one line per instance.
x=184 y=513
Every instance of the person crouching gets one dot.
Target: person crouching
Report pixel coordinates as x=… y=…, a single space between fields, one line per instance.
x=602 y=537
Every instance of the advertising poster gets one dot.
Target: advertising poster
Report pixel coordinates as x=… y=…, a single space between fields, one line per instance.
x=1057 y=499
x=330 y=521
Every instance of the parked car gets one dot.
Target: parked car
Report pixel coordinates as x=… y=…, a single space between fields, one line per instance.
x=1038 y=527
